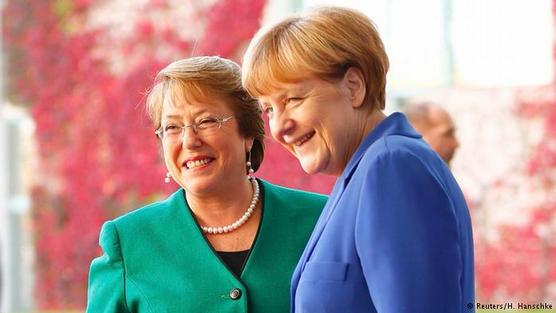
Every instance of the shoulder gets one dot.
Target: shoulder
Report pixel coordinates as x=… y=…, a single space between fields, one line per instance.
x=145 y=224
x=399 y=148
x=396 y=159
x=149 y=215
x=294 y=204
x=285 y=205
x=284 y=193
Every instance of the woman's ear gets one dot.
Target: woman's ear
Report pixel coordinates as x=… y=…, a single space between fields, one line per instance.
x=355 y=83
x=249 y=144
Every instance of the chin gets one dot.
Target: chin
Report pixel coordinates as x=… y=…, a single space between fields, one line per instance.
x=310 y=167
x=309 y=171
x=323 y=167
x=197 y=185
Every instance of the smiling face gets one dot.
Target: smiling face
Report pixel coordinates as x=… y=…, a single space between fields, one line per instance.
x=320 y=122
x=208 y=161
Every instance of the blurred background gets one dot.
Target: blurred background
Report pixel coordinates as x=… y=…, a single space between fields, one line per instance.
x=77 y=149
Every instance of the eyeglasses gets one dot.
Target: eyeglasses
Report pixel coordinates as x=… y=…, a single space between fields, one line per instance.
x=174 y=132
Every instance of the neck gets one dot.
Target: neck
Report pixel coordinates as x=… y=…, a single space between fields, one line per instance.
x=224 y=207
x=370 y=123
x=364 y=124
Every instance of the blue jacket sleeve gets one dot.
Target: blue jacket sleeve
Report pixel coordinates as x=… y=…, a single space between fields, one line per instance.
x=406 y=236
x=106 y=293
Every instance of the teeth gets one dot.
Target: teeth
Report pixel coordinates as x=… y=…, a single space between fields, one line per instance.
x=196 y=163
x=303 y=139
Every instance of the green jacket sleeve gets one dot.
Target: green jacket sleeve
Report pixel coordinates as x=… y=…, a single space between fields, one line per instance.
x=106 y=292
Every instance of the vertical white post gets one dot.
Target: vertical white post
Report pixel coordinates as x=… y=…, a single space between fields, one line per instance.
x=3 y=179
x=3 y=214
x=15 y=240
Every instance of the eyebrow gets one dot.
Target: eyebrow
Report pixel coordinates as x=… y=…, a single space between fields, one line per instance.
x=195 y=114
x=172 y=116
x=282 y=96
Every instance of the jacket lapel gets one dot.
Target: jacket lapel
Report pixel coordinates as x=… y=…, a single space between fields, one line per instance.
x=186 y=232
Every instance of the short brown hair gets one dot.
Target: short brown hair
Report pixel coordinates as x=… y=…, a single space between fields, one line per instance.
x=201 y=78
x=324 y=43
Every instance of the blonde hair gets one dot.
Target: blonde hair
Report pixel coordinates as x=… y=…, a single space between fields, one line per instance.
x=203 y=78
x=324 y=43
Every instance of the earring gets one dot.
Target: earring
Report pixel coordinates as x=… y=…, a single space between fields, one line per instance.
x=167 y=179
x=248 y=163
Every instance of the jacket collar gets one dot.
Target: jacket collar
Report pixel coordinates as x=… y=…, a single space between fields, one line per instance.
x=395 y=124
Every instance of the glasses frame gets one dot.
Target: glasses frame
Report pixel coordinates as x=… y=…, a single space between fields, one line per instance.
x=195 y=127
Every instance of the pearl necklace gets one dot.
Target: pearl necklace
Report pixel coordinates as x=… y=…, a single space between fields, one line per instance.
x=237 y=224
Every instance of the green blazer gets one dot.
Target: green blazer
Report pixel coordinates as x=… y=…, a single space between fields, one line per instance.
x=157 y=260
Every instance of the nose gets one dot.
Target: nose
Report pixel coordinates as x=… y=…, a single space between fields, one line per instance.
x=280 y=126
x=190 y=138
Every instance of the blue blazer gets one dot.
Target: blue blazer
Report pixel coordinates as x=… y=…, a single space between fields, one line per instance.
x=394 y=237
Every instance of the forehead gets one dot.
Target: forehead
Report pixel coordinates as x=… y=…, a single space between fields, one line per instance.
x=182 y=103
x=282 y=90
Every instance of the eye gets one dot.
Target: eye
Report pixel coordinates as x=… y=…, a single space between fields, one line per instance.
x=207 y=122
x=293 y=100
x=172 y=129
x=267 y=110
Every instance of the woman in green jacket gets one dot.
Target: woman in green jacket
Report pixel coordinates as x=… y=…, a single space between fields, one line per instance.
x=225 y=241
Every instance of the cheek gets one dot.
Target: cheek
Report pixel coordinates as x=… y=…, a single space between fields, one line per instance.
x=169 y=154
x=329 y=134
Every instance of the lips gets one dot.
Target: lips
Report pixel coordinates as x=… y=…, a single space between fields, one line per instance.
x=197 y=162
x=304 y=139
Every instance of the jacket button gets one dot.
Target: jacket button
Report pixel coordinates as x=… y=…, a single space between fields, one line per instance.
x=235 y=294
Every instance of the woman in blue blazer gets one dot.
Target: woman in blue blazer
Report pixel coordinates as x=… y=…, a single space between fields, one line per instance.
x=395 y=235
